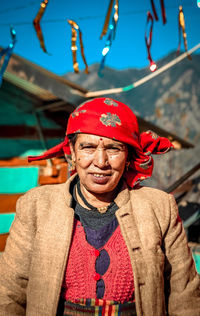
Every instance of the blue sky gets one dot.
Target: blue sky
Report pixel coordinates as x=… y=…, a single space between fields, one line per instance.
x=128 y=48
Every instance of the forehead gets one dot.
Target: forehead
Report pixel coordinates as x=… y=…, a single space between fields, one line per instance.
x=89 y=138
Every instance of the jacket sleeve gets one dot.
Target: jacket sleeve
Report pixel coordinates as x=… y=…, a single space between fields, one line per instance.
x=182 y=283
x=15 y=260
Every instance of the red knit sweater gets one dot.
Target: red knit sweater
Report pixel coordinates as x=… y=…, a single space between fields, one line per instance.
x=80 y=276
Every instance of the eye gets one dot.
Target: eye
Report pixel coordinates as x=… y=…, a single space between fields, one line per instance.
x=88 y=148
x=113 y=150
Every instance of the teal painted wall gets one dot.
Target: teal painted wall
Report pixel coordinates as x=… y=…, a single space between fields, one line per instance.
x=18 y=179
x=10 y=148
x=5 y=222
x=196 y=256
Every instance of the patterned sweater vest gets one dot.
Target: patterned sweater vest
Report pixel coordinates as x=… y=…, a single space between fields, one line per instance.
x=80 y=278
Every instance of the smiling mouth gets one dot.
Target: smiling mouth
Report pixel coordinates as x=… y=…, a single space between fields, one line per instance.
x=98 y=175
x=100 y=178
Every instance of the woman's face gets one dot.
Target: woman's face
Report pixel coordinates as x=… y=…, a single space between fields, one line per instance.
x=100 y=162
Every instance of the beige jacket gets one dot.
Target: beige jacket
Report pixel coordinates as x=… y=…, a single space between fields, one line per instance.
x=33 y=264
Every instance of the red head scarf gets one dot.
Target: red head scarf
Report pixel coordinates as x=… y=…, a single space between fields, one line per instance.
x=110 y=118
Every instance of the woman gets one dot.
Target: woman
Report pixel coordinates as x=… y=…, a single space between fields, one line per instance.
x=100 y=244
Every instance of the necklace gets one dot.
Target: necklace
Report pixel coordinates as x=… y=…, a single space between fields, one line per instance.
x=102 y=209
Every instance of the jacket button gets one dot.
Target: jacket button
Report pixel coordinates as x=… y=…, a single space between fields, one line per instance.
x=97 y=276
x=96 y=252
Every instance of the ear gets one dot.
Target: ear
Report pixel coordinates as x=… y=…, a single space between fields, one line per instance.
x=72 y=152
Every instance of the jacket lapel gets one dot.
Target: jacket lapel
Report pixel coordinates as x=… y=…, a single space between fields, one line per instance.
x=49 y=258
x=141 y=232
x=129 y=230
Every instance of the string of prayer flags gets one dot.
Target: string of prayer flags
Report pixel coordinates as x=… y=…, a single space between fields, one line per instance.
x=181 y=27
x=116 y=16
x=107 y=19
x=148 y=40
x=112 y=32
x=36 y=23
x=154 y=10
x=7 y=52
x=162 y=10
x=74 y=47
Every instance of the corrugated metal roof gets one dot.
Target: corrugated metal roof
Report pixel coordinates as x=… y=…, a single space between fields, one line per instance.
x=29 y=87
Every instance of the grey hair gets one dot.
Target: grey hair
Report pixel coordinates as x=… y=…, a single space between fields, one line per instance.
x=73 y=138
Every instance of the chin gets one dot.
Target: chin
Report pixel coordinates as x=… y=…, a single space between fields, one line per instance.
x=100 y=189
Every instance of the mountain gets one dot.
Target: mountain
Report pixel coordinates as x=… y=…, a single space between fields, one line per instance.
x=171 y=100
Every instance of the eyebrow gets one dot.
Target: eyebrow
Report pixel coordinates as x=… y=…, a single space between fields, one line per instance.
x=115 y=145
x=87 y=143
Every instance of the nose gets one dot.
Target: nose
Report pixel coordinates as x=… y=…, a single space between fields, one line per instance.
x=100 y=158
